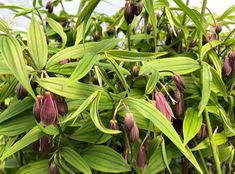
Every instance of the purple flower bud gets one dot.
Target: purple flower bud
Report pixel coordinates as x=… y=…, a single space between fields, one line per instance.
x=37 y=107
x=178 y=82
x=49 y=111
x=149 y=28
x=202 y=132
x=45 y=145
x=163 y=106
x=138 y=8
x=212 y=37
x=61 y=106
x=96 y=36
x=21 y=92
x=114 y=125
x=49 y=7
x=141 y=158
x=204 y=40
x=134 y=133
x=53 y=168
x=218 y=28
x=64 y=61
x=179 y=105
x=227 y=69
x=129 y=12
x=129 y=120
x=111 y=31
x=135 y=71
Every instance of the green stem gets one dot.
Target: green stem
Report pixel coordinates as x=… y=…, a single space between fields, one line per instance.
x=200 y=34
x=129 y=37
x=213 y=145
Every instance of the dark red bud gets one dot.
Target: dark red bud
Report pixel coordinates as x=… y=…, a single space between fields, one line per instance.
x=218 y=28
x=227 y=69
x=129 y=12
x=158 y=16
x=204 y=40
x=111 y=31
x=202 y=132
x=114 y=125
x=45 y=145
x=135 y=71
x=149 y=28
x=36 y=145
x=53 y=168
x=129 y=121
x=37 y=107
x=138 y=8
x=168 y=39
x=96 y=36
x=49 y=7
x=61 y=106
x=141 y=158
x=21 y=92
x=179 y=105
x=212 y=37
x=48 y=111
x=163 y=106
x=178 y=82
x=64 y=61
x=134 y=133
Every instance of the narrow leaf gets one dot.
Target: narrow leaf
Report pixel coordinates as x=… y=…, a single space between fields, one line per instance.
x=152 y=82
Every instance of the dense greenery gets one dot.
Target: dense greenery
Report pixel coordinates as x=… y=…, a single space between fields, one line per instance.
x=148 y=90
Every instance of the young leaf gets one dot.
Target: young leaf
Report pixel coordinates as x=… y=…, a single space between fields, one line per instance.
x=105 y=159
x=191 y=124
x=94 y=114
x=207 y=47
x=33 y=135
x=12 y=54
x=152 y=82
x=58 y=29
x=73 y=158
x=206 y=89
x=37 y=44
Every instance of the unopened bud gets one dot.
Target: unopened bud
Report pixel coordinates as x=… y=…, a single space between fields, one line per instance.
x=53 y=168
x=61 y=106
x=135 y=71
x=111 y=31
x=178 y=82
x=36 y=145
x=163 y=106
x=179 y=105
x=218 y=28
x=227 y=69
x=37 y=107
x=202 y=132
x=64 y=61
x=138 y=8
x=141 y=158
x=96 y=36
x=48 y=111
x=21 y=92
x=204 y=40
x=45 y=145
x=129 y=12
x=134 y=133
x=129 y=121
x=212 y=37
x=149 y=28
x=49 y=7
x=114 y=125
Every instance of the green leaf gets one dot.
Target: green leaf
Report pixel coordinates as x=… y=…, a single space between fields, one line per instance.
x=7 y=90
x=218 y=83
x=150 y=10
x=226 y=14
x=206 y=89
x=191 y=124
x=81 y=108
x=37 y=44
x=33 y=135
x=207 y=47
x=17 y=125
x=105 y=159
x=3 y=26
x=94 y=114
x=83 y=67
x=16 y=107
x=218 y=139
x=38 y=167
x=131 y=56
x=195 y=18
x=80 y=50
x=216 y=61
x=58 y=29
x=81 y=31
x=12 y=54
x=156 y=162
x=161 y=122
x=4 y=68
x=73 y=158
x=152 y=82
x=179 y=65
